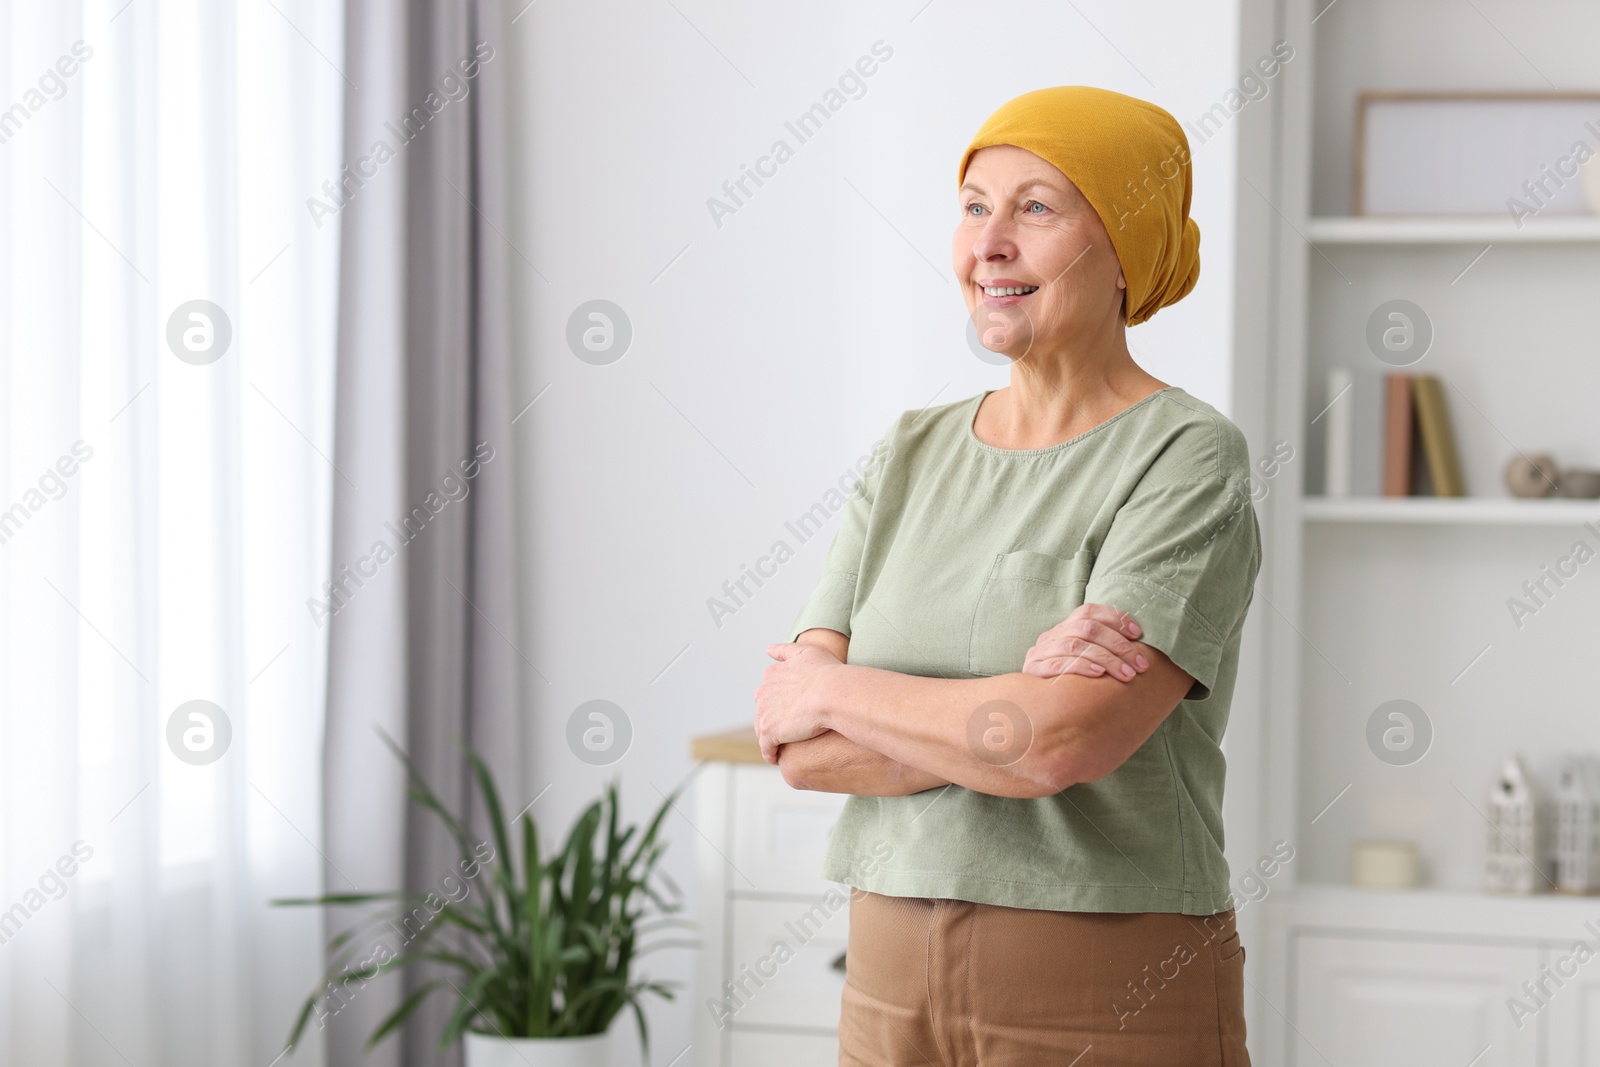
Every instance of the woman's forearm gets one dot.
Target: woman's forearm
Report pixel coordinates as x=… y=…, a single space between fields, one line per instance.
x=932 y=722
x=1013 y=735
x=832 y=763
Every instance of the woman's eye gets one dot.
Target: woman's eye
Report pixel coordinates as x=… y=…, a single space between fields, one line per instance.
x=975 y=206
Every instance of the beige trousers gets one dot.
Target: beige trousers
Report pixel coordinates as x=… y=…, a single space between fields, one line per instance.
x=951 y=983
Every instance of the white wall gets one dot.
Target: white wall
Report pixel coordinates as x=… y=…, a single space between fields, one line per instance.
x=775 y=349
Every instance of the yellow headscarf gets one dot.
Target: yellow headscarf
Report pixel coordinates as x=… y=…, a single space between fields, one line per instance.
x=1130 y=159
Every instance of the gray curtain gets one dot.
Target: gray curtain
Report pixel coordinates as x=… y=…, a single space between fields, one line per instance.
x=423 y=644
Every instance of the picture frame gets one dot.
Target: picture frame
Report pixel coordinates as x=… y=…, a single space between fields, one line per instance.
x=1474 y=153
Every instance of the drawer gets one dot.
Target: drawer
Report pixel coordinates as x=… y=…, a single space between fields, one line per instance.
x=795 y=985
x=779 y=833
x=784 y=1050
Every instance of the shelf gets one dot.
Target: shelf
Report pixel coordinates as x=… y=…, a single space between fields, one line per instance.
x=1437 y=912
x=1446 y=229
x=1483 y=511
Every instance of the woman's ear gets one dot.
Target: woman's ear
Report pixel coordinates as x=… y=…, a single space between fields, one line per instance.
x=1122 y=283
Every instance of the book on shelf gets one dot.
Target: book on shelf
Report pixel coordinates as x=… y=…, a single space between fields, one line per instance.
x=1419 y=448
x=1438 y=443
x=1398 y=431
x=1337 y=476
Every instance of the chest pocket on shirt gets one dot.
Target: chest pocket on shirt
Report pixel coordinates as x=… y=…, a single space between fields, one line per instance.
x=1026 y=593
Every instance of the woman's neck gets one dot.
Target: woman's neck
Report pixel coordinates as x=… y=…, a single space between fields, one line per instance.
x=1049 y=402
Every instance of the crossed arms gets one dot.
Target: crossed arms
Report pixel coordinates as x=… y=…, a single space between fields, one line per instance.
x=1088 y=696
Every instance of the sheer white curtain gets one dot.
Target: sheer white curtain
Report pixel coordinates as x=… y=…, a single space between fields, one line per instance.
x=167 y=326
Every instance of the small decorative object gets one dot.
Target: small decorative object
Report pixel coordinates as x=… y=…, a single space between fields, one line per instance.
x=1514 y=837
x=1385 y=865
x=546 y=949
x=1531 y=476
x=1583 y=484
x=1577 y=825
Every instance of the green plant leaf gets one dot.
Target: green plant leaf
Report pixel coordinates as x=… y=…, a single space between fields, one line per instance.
x=301 y=1020
x=424 y=795
x=332 y=898
x=497 y=824
x=398 y=1016
x=548 y=946
x=467 y=1008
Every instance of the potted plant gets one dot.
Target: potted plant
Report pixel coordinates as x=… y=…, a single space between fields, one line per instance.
x=543 y=950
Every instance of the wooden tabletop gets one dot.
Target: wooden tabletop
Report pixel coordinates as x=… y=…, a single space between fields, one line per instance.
x=733 y=746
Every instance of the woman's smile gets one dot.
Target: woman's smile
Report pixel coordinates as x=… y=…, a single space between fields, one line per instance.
x=1004 y=292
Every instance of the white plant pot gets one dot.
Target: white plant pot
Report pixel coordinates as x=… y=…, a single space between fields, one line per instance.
x=488 y=1050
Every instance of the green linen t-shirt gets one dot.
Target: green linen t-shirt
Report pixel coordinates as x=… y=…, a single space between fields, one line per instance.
x=953 y=556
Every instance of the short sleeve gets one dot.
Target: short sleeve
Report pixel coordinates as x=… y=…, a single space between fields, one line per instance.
x=1182 y=555
x=833 y=599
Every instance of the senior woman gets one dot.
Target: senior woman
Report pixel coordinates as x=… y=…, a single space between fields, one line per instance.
x=1019 y=658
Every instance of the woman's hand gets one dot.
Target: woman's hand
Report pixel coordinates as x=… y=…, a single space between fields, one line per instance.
x=1094 y=640
x=787 y=704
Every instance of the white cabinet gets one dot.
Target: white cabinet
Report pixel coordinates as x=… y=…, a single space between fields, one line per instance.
x=779 y=834
x=769 y=925
x=1368 y=1002
x=783 y=1050
x=784 y=952
x=1374 y=978
x=1572 y=1009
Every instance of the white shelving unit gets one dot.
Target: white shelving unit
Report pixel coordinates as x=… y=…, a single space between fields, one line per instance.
x=1367 y=600
x=1475 y=230
x=1466 y=511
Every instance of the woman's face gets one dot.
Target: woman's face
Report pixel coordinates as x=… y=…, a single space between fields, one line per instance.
x=1024 y=224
